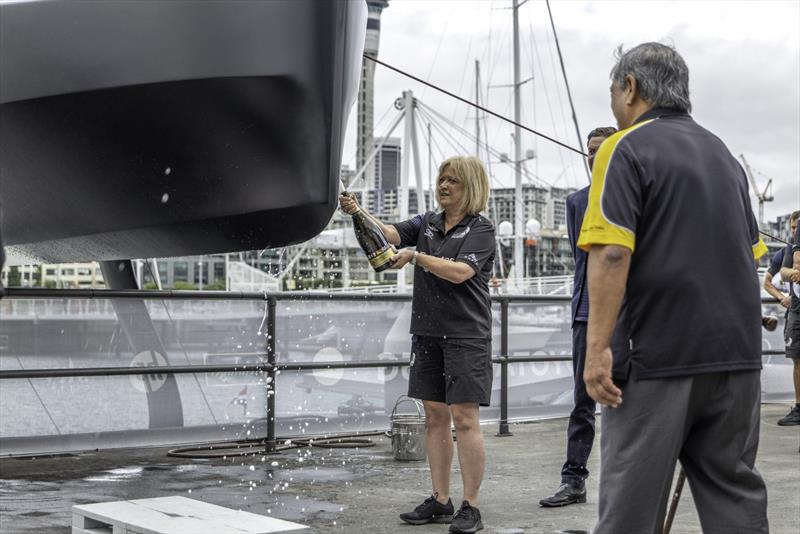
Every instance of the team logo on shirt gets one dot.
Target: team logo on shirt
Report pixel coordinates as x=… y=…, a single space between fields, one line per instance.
x=429 y=233
x=472 y=257
x=461 y=234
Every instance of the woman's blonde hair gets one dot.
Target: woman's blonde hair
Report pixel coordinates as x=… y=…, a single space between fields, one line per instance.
x=471 y=172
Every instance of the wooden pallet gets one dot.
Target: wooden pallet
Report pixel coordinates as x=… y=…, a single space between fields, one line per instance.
x=173 y=515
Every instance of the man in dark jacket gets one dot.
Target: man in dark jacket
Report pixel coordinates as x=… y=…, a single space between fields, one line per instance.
x=580 y=432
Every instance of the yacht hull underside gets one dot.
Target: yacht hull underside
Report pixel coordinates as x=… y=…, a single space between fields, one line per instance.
x=148 y=146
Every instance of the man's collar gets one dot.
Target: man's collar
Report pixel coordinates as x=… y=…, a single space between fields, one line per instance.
x=655 y=113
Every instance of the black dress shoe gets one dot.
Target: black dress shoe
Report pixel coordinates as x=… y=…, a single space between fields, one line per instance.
x=564 y=495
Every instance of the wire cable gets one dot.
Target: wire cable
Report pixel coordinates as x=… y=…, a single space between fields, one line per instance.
x=436 y=54
x=39 y=398
x=489 y=149
x=775 y=238
x=473 y=104
x=545 y=88
x=566 y=83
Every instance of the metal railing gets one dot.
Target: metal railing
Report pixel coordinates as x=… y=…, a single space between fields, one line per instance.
x=270 y=367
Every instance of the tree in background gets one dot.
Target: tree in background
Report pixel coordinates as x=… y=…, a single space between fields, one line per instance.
x=180 y=285
x=14 y=278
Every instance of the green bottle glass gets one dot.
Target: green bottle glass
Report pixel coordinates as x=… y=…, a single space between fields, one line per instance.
x=374 y=244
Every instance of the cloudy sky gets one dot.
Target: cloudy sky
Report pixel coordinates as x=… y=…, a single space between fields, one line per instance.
x=743 y=56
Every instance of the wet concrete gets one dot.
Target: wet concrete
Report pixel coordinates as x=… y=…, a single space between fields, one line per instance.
x=355 y=491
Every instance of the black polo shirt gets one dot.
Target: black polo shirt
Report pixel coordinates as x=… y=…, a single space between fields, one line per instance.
x=671 y=192
x=788 y=262
x=441 y=308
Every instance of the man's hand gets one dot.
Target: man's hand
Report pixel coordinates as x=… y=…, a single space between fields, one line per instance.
x=597 y=377
x=402 y=257
x=786 y=301
x=795 y=276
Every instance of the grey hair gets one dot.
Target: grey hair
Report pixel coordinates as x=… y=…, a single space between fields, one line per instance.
x=661 y=74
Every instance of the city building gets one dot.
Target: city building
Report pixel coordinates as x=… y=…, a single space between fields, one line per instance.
x=365 y=105
x=51 y=275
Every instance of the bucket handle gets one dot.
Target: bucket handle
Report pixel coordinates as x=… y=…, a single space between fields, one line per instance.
x=405 y=398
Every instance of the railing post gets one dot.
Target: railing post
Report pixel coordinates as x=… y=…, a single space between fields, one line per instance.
x=503 y=431
x=271 y=444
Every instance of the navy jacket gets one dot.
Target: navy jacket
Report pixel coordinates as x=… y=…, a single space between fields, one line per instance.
x=576 y=207
x=577 y=203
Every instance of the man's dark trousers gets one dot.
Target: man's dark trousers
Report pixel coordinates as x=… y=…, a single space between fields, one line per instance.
x=580 y=432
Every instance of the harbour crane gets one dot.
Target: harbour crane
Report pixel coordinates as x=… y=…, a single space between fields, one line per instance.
x=763 y=196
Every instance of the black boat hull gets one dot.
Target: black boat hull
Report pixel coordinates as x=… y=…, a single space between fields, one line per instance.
x=120 y=140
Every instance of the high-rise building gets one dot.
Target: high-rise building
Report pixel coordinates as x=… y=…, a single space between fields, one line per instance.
x=365 y=114
x=387 y=176
x=387 y=165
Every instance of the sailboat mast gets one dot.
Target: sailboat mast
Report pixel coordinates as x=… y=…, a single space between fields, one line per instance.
x=477 y=111
x=518 y=255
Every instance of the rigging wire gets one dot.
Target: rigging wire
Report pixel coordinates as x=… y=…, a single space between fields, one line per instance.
x=500 y=124
x=775 y=238
x=551 y=106
x=494 y=152
x=448 y=136
x=374 y=128
x=39 y=397
x=463 y=72
x=431 y=115
x=436 y=54
x=457 y=147
x=435 y=144
x=566 y=83
x=489 y=149
x=473 y=104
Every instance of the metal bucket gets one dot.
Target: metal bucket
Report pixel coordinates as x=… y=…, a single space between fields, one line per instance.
x=408 y=432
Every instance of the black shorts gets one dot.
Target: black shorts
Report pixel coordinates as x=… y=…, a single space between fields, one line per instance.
x=791 y=333
x=451 y=370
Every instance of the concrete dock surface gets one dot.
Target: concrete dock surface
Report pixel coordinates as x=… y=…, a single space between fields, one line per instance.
x=361 y=490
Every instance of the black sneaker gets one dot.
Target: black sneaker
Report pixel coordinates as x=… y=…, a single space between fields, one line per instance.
x=430 y=511
x=564 y=495
x=792 y=418
x=466 y=520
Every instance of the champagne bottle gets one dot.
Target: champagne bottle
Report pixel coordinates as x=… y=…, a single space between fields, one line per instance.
x=378 y=250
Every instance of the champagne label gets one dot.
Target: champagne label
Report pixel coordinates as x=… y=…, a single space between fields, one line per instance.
x=381 y=256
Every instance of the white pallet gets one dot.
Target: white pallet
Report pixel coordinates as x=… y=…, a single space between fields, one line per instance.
x=172 y=515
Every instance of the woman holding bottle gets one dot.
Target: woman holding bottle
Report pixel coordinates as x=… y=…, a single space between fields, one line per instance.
x=451 y=318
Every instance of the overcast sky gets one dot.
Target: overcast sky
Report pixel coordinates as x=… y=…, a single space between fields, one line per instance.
x=743 y=56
